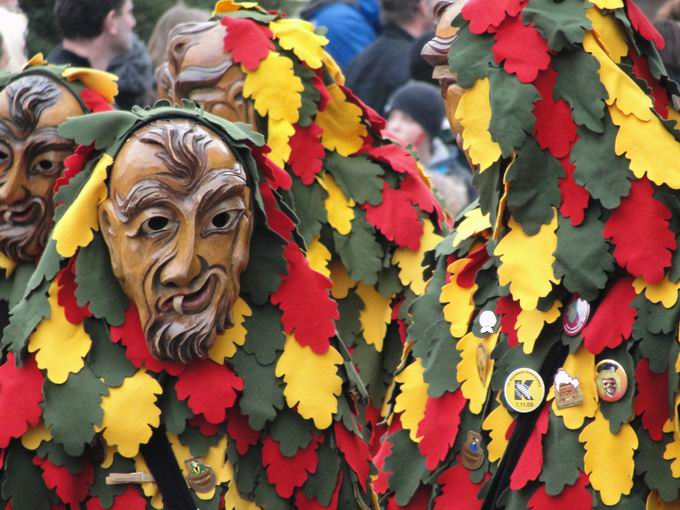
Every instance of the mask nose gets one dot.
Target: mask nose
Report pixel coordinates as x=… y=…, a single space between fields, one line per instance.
x=185 y=265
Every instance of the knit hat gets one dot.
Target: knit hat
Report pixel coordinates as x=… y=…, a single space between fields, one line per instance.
x=421 y=101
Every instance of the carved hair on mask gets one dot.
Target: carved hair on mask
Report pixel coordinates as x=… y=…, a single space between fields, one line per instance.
x=31 y=158
x=178 y=224
x=203 y=72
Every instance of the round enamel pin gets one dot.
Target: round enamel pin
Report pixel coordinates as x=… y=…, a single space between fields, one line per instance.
x=611 y=380
x=575 y=316
x=524 y=390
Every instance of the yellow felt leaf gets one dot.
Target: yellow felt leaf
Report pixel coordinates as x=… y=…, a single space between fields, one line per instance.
x=654 y=502
x=609 y=33
x=278 y=139
x=60 y=346
x=36 y=60
x=375 y=316
x=530 y=324
x=298 y=36
x=226 y=344
x=530 y=277
x=497 y=423
x=136 y=397
x=664 y=292
x=75 y=228
x=473 y=222
x=473 y=387
x=628 y=96
x=580 y=365
x=333 y=68
x=672 y=453
x=342 y=283
x=339 y=208
x=318 y=257
x=609 y=458
x=275 y=89
x=608 y=4
x=474 y=113
x=7 y=264
x=458 y=301
x=649 y=146
x=412 y=397
x=100 y=81
x=227 y=6
x=34 y=437
x=411 y=262
x=343 y=130
x=311 y=381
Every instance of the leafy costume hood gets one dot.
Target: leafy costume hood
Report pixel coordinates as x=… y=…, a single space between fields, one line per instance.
x=83 y=393
x=568 y=115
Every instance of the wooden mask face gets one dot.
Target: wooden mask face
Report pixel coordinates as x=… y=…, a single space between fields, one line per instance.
x=31 y=158
x=203 y=72
x=178 y=223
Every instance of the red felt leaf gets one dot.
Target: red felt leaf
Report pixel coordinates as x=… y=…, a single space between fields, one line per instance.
x=439 y=427
x=73 y=165
x=308 y=310
x=355 y=451
x=457 y=490
x=572 y=497
x=240 y=432
x=659 y=92
x=374 y=118
x=509 y=310
x=248 y=41
x=131 y=335
x=396 y=218
x=642 y=24
x=325 y=96
x=521 y=48
x=530 y=462
x=307 y=152
x=421 y=195
x=419 y=501
x=70 y=488
x=380 y=483
x=66 y=295
x=375 y=424
x=20 y=397
x=289 y=473
x=210 y=387
x=613 y=320
x=466 y=277
x=130 y=499
x=487 y=15
x=398 y=158
x=574 y=196
x=205 y=428
x=555 y=128
x=302 y=502
x=638 y=229
x=276 y=177
x=651 y=401
x=278 y=221
x=94 y=101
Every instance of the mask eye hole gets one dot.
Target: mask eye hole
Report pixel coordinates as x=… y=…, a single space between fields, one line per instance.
x=155 y=224
x=221 y=220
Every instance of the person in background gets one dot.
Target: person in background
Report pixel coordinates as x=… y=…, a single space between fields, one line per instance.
x=13 y=25
x=670 y=54
x=135 y=76
x=379 y=70
x=670 y=10
x=419 y=69
x=352 y=25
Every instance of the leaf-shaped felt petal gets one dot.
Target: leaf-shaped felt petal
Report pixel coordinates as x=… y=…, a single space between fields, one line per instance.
x=70 y=488
x=75 y=228
x=473 y=222
x=60 y=346
x=609 y=33
x=439 y=427
x=247 y=41
x=458 y=491
x=311 y=381
x=487 y=15
x=307 y=153
x=299 y=37
x=343 y=130
x=375 y=316
x=319 y=257
x=20 y=397
x=412 y=397
x=651 y=401
x=474 y=113
x=530 y=278
x=474 y=388
x=530 y=462
x=410 y=262
x=100 y=81
x=642 y=24
x=458 y=300
x=135 y=397
x=521 y=49
x=279 y=99
x=232 y=338
x=339 y=208
x=279 y=133
x=573 y=497
x=355 y=451
x=580 y=365
x=664 y=292
x=555 y=128
x=609 y=458
x=289 y=473
x=562 y=24
x=396 y=218
x=530 y=324
x=497 y=424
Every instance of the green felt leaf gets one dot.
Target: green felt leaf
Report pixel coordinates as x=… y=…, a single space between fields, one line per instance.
x=657 y=472
x=391 y=356
x=489 y=186
x=470 y=56
x=56 y=454
x=440 y=360
x=198 y=443
x=654 y=347
x=247 y=467
x=578 y=83
x=368 y=362
x=656 y=318
x=101 y=489
x=486 y=281
x=19 y=281
x=71 y=410
x=266 y=496
x=634 y=501
x=255 y=15
x=265 y=337
x=515 y=500
x=563 y=24
x=321 y=483
x=309 y=208
x=104 y=131
x=582 y=258
x=358 y=177
x=106 y=359
x=620 y=412
x=23 y=485
x=359 y=250
x=512 y=118
x=310 y=94
x=47 y=267
x=605 y=175
x=407 y=466
x=24 y=318
x=262 y=393
x=291 y=432
x=349 y=326
x=534 y=189
x=426 y=311
x=267 y=265
x=562 y=457
x=673 y=378
x=97 y=285
x=175 y=412
x=389 y=283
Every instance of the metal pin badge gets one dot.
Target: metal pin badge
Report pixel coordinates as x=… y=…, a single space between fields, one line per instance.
x=472 y=456
x=567 y=390
x=575 y=316
x=201 y=476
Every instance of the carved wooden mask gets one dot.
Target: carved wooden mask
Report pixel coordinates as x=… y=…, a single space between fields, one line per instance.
x=31 y=158
x=178 y=223
x=203 y=72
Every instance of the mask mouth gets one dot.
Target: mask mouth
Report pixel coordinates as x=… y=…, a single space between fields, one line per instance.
x=193 y=301
x=22 y=214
